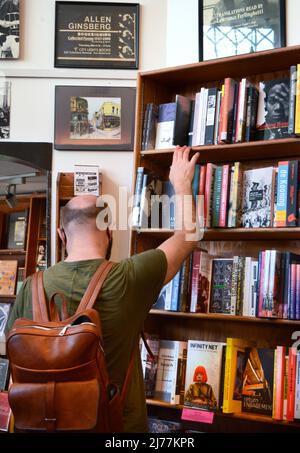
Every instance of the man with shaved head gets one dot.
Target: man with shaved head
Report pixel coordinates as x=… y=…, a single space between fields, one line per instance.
x=129 y=291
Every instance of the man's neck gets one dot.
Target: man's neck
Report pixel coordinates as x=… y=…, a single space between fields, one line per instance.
x=85 y=253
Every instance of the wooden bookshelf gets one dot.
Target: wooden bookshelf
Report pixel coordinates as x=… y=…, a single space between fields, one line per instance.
x=161 y=86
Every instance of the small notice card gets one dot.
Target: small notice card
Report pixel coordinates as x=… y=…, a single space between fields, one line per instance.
x=195 y=415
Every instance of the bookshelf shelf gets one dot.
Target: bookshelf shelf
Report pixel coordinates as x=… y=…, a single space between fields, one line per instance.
x=256 y=150
x=234 y=234
x=12 y=252
x=224 y=318
x=241 y=416
x=162 y=86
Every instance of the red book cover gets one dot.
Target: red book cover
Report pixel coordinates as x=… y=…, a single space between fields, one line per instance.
x=224 y=196
x=291 y=384
x=202 y=180
x=227 y=110
x=5 y=411
x=279 y=383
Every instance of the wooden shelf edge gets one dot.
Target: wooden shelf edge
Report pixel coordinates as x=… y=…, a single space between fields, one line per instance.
x=223 y=234
x=223 y=317
x=12 y=252
x=229 y=146
x=242 y=415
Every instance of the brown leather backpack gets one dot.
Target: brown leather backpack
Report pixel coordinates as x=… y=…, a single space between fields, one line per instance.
x=60 y=380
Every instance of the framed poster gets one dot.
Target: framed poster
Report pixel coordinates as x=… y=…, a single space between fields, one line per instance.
x=94 y=118
x=9 y=29
x=5 y=96
x=234 y=27
x=96 y=35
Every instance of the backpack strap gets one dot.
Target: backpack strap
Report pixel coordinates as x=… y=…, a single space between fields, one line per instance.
x=94 y=287
x=39 y=303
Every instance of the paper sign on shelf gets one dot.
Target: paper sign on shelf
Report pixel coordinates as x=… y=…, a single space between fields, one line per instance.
x=196 y=415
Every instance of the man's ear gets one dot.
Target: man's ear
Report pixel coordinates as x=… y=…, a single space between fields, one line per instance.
x=62 y=235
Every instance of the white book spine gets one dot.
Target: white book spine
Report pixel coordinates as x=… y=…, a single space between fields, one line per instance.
x=203 y=116
x=254 y=276
x=196 y=123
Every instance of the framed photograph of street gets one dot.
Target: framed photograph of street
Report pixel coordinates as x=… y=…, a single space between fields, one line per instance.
x=9 y=29
x=96 y=35
x=94 y=118
x=234 y=27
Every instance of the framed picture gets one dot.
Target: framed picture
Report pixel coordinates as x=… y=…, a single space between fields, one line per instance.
x=94 y=118
x=96 y=35
x=234 y=27
x=9 y=29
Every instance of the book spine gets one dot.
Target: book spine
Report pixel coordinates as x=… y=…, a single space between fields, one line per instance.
x=230 y=198
x=291 y=384
x=217 y=196
x=203 y=116
x=175 y=292
x=137 y=197
x=237 y=195
x=224 y=196
x=282 y=191
x=286 y=291
x=191 y=123
x=292 y=304
x=240 y=280
x=180 y=377
x=217 y=118
x=195 y=280
x=271 y=312
x=261 y=282
x=227 y=375
x=208 y=198
x=254 y=295
x=292 y=99
x=240 y=136
x=251 y=116
x=227 y=111
x=292 y=194
x=297 y=302
x=197 y=118
x=297 y=388
x=233 y=292
x=145 y=123
x=210 y=116
x=297 y=107
x=278 y=393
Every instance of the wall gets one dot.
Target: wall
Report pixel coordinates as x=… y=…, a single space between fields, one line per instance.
x=33 y=85
x=169 y=36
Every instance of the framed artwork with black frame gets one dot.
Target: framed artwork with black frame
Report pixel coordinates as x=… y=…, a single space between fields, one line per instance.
x=96 y=35
x=98 y=118
x=234 y=27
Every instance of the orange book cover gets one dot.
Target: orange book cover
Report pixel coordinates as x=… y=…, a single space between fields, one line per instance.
x=8 y=277
x=278 y=393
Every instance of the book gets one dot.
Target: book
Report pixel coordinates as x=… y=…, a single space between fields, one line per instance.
x=165 y=125
x=292 y=99
x=203 y=375
x=282 y=194
x=16 y=230
x=8 y=277
x=4 y=366
x=166 y=376
x=149 y=363
x=211 y=119
x=137 y=197
x=4 y=314
x=150 y=212
x=221 y=277
x=236 y=357
x=291 y=385
x=278 y=382
x=200 y=281
x=86 y=180
x=182 y=120
x=157 y=425
x=273 y=109
x=258 y=198
x=151 y=126
x=5 y=412
x=257 y=390
x=292 y=214
x=251 y=113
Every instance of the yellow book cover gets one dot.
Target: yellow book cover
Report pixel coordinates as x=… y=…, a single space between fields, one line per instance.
x=233 y=378
x=297 y=108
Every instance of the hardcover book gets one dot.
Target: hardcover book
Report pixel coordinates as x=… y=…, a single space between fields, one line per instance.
x=4 y=313
x=17 y=222
x=166 y=377
x=220 y=296
x=203 y=375
x=3 y=373
x=165 y=125
x=257 y=392
x=8 y=277
x=182 y=120
x=149 y=364
x=273 y=109
x=258 y=198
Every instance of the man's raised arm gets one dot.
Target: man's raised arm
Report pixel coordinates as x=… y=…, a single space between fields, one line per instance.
x=184 y=240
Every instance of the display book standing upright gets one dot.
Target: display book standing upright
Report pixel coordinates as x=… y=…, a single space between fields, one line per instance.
x=160 y=87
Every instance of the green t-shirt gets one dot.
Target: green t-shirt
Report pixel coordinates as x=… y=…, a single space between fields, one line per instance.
x=127 y=295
